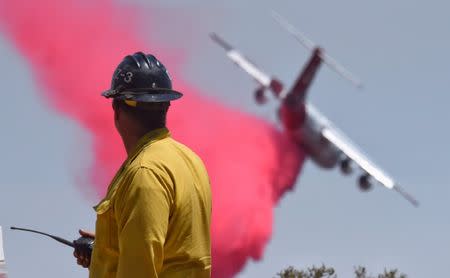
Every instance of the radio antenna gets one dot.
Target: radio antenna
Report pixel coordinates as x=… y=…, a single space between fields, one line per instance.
x=59 y=239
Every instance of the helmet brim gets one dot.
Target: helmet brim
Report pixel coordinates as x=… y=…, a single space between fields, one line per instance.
x=149 y=95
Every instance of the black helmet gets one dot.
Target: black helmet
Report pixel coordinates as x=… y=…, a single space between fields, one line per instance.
x=142 y=78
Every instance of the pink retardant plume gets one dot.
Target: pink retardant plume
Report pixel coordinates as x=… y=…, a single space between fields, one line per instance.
x=73 y=48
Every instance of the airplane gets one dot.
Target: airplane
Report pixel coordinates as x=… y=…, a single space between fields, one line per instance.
x=324 y=143
x=2 y=257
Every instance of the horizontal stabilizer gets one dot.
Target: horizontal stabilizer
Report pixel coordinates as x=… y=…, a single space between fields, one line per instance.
x=308 y=44
x=263 y=79
x=221 y=42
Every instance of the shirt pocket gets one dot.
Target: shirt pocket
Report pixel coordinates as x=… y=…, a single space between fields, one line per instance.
x=105 y=228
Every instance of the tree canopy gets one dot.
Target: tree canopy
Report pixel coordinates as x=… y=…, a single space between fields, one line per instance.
x=329 y=272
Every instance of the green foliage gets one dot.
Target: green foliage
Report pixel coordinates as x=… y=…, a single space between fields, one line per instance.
x=311 y=272
x=361 y=272
x=328 y=272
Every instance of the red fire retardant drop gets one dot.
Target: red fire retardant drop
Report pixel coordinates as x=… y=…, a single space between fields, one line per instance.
x=73 y=48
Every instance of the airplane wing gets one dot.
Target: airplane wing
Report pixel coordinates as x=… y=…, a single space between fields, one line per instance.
x=338 y=139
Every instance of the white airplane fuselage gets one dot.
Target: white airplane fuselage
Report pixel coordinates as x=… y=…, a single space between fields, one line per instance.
x=309 y=136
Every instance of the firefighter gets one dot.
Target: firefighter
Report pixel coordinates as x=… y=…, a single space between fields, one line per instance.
x=155 y=218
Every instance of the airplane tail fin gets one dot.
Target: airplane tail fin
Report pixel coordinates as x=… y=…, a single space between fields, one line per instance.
x=2 y=258
x=308 y=44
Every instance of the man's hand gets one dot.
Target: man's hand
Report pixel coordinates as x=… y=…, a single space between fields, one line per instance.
x=83 y=248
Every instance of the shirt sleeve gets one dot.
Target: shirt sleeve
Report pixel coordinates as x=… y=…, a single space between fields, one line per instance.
x=142 y=210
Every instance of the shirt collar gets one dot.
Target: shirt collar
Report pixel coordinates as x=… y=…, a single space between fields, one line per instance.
x=148 y=139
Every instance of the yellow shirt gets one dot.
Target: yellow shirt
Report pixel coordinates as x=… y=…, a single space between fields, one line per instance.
x=155 y=218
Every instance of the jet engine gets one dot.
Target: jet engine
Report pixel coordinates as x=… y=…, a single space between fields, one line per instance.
x=346 y=166
x=364 y=182
x=260 y=95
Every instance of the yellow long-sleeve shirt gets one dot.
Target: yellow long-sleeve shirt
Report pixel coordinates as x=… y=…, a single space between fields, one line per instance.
x=155 y=218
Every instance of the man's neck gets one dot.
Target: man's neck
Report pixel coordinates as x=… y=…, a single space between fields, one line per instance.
x=131 y=140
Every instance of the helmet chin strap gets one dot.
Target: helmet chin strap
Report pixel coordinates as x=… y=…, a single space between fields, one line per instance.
x=131 y=103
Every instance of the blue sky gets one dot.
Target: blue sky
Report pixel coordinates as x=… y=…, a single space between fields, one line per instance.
x=399 y=50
